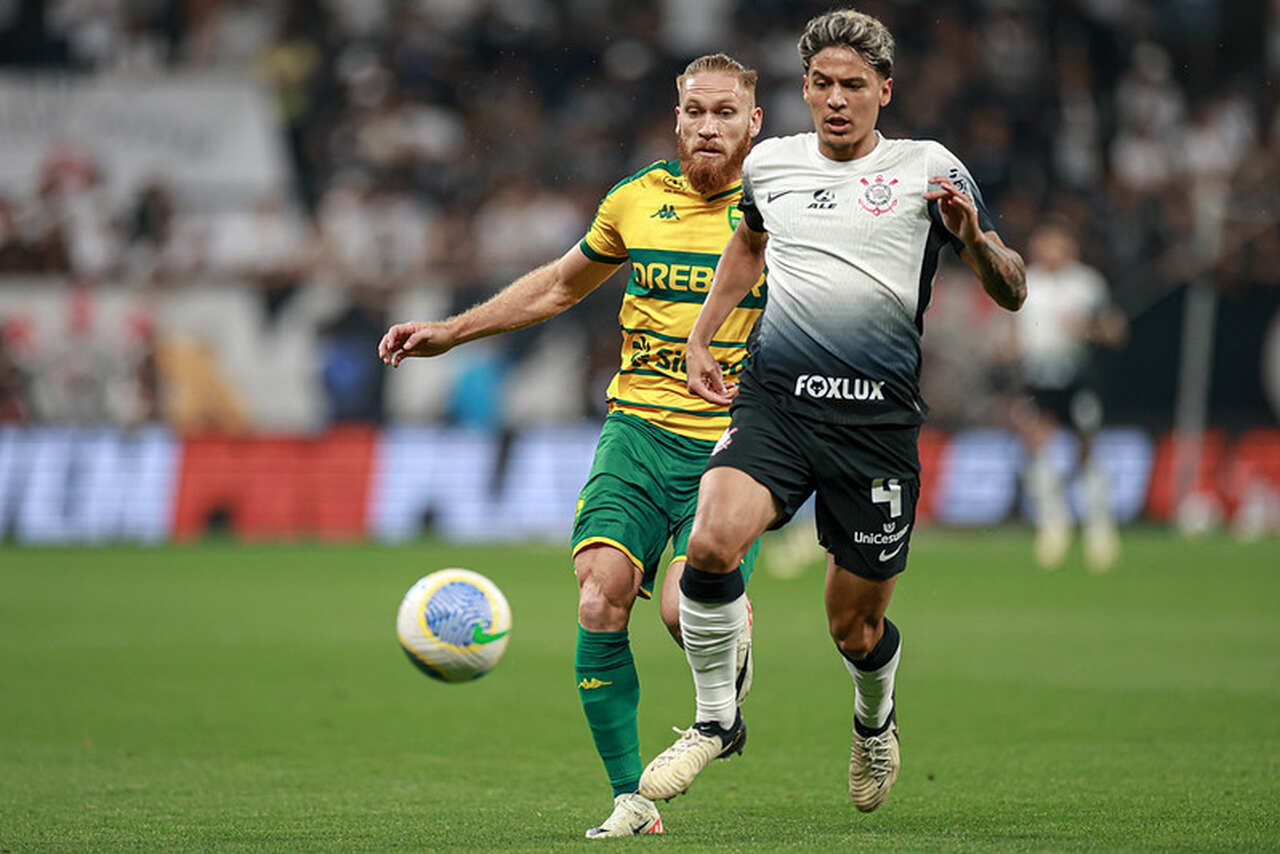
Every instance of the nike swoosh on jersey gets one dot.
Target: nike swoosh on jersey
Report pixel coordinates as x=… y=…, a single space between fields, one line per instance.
x=779 y=194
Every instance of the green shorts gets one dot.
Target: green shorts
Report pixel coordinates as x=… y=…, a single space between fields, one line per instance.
x=642 y=493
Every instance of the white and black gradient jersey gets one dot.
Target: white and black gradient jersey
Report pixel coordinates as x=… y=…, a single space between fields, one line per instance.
x=852 y=252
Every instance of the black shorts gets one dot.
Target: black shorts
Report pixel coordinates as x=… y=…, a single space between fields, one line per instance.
x=867 y=478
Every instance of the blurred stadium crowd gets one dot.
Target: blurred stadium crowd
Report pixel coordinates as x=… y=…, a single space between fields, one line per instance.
x=431 y=150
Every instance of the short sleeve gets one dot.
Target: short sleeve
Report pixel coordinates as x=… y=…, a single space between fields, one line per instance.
x=603 y=241
x=943 y=162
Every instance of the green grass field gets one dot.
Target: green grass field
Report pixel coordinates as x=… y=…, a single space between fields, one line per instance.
x=229 y=698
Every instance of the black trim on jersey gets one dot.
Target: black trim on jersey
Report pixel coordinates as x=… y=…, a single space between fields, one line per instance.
x=720 y=195
x=939 y=236
x=751 y=215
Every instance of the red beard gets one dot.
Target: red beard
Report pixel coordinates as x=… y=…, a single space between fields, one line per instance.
x=706 y=178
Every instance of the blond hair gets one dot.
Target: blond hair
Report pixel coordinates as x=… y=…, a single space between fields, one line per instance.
x=720 y=63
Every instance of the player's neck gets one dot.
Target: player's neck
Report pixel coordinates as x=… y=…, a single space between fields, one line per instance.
x=722 y=186
x=857 y=151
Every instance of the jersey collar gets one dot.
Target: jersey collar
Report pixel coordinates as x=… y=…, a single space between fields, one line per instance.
x=678 y=179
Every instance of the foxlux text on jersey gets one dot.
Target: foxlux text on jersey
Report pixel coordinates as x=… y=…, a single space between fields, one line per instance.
x=813 y=385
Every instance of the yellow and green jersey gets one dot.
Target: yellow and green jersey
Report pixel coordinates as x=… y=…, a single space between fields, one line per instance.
x=673 y=237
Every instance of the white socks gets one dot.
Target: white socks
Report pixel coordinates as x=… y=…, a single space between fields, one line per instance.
x=710 y=643
x=1048 y=493
x=1097 y=494
x=873 y=691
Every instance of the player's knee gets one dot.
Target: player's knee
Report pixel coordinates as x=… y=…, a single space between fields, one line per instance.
x=855 y=638
x=710 y=551
x=604 y=603
x=602 y=613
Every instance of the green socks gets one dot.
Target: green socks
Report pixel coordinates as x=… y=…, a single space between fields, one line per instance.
x=610 y=692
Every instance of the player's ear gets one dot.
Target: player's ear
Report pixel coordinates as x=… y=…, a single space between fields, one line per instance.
x=757 y=119
x=886 y=91
x=677 y=118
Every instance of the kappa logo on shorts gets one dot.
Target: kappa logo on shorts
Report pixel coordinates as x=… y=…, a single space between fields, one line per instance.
x=723 y=442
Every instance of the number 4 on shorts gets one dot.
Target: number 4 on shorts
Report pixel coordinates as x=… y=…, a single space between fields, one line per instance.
x=887 y=491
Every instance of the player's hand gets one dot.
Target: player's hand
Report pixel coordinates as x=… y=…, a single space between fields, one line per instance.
x=959 y=213
x=414 y=339
x=706 y=380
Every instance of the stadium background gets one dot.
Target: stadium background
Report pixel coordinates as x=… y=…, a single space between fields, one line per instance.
x=209 y=212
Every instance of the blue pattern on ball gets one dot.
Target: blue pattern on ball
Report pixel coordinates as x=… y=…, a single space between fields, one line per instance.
x=455 y=609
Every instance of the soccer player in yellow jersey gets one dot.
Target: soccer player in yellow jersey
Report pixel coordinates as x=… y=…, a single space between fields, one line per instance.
x=670 y=221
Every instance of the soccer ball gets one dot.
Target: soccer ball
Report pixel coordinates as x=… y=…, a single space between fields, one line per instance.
x=454 y=625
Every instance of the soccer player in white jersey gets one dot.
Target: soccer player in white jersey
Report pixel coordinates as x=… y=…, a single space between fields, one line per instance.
x=850 y=225
x=1068 y=313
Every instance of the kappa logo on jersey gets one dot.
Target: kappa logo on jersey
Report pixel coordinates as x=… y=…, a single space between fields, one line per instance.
x=840 y=388
x=822 y=200
x=878 y=198
x=667 y=212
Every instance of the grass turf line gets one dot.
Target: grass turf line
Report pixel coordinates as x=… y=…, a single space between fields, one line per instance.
x=252 y=698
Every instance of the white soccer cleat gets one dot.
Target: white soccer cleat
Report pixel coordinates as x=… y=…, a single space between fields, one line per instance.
x=1101 y=545
x=1053 y=539
x=746 y=666
x=633 y=815
x=673 y=770
x=873 y=766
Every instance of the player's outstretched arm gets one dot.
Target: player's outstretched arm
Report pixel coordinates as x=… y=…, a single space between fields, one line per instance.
x=1001 y=270
x=736 y=274
x=536 y=296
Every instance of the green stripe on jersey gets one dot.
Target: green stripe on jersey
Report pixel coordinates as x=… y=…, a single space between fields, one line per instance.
x=669 y=257
x=596 y=256
x=671 y=167
x=678 y=276
x=635 y=289
x=676 y=339
x=729 y=192
x=720 y=413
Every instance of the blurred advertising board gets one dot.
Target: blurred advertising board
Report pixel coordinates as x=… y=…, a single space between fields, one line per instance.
x=212 y=136
x=91 y=485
